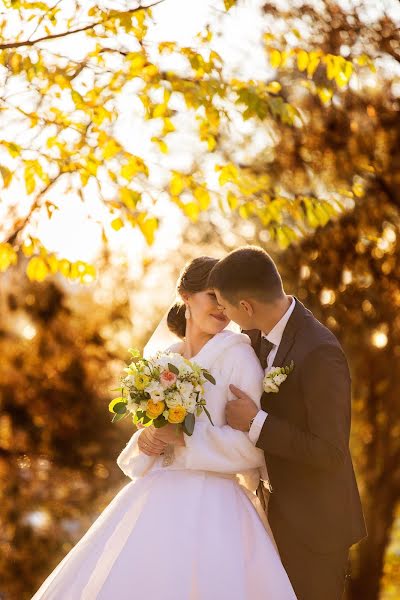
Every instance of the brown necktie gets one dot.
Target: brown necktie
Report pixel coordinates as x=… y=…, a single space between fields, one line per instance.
x=265 y=348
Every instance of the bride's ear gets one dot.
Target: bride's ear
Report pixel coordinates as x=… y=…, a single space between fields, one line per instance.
x=185 y=297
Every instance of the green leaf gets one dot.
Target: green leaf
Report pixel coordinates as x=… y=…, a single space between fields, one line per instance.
x=208 y=415
x=188 y=424
x=119 y=417
x=209 y=377
x=173 y=369
x=134 y=352
x=159 y=422
x=120 y=408
x=116 y=402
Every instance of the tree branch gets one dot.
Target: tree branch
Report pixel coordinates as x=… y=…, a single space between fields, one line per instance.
x=80 y=30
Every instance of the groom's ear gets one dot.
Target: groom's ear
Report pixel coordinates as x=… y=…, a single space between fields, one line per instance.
x=247 y=306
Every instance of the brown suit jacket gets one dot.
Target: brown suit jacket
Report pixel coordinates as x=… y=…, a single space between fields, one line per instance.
x=306 y=438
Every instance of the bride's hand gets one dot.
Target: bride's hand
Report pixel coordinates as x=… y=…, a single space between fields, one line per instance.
x=149 y=444
x=170 y=434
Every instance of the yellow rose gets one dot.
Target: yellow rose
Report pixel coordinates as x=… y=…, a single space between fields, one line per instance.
x=141 y=381
x=177 y=414
x=154 y=409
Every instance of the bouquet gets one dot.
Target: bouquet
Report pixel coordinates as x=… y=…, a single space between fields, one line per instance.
x=166 y=388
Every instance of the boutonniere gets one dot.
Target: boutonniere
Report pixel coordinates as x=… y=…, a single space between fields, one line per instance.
x=275 y=377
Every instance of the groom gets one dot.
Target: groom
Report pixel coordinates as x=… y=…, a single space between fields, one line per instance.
x=314 y=509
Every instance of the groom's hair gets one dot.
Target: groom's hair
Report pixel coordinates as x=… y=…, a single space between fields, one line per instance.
x=247 y=272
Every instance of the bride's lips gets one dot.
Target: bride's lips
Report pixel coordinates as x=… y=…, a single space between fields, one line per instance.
x=220 y=318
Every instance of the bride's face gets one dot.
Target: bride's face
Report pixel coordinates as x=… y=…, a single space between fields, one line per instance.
x=206 y=313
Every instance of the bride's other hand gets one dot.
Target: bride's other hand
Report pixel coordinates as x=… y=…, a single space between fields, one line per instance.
x=149 y=444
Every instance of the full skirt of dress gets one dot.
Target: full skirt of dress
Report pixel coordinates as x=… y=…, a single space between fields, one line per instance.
x=173 y=535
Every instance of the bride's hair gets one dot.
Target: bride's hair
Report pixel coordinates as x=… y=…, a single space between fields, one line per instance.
x=193 y=278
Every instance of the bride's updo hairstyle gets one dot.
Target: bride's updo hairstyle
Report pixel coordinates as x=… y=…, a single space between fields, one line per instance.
x=193 y=278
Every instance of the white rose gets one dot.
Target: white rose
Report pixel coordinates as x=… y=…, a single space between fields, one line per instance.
x=189 y=403
x=270 y=386
x=185 y=388
x=278 y=379
x=173 y=400
x=166 y=414
x=156 y=391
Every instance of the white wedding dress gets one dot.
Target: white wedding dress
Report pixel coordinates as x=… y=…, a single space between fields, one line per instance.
x=192 y=530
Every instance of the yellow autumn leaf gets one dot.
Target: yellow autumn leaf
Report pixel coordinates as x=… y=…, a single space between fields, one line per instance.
x=332 y=66
x=133 y=166
x=325 y=94
x=6 y=175
x=192 y=211
x=211 y=143
x=37 y=269
x=130 y=197
x=64 y=267
x=8 y=256
x=160 y=110
x=302 y=60
x=229 y=3
x=148 y=226
x=275 y=58
x=274 y=87
x=168 y=127
x=358 y=190
x=362 y=60
x=177 y=184
x=117 y=224
x=110 y=149
x=229 y=173
x=313 y=62
x=89 y=275
x=28 y=247
x=203 y=197
x=161 y=144
x=30 y=182
x=232 y=200
x=52 y=262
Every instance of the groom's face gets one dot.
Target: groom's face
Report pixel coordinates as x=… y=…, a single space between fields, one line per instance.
x=236 y=313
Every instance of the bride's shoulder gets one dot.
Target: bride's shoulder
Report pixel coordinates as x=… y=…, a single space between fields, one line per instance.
x=236 y=348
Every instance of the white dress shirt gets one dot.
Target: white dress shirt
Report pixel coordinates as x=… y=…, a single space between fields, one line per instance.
x=275 y=337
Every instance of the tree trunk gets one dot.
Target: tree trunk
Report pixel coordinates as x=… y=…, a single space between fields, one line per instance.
x=379 y=512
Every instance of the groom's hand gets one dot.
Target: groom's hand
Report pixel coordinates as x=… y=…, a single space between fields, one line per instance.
x=239 y=412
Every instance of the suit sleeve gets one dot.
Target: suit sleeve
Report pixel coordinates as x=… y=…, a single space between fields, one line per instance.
x=223 y=449
x=326 y=389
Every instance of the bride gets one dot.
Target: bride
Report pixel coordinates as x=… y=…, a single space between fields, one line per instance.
x=192 y=529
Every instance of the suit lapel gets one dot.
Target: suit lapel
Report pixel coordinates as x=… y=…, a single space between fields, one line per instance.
x=255 y=338
x=289 y=335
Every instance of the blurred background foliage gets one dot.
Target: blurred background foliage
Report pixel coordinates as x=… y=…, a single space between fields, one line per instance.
x=301 y=157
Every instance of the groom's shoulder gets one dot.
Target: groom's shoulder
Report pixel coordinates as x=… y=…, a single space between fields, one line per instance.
x=313 y=333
